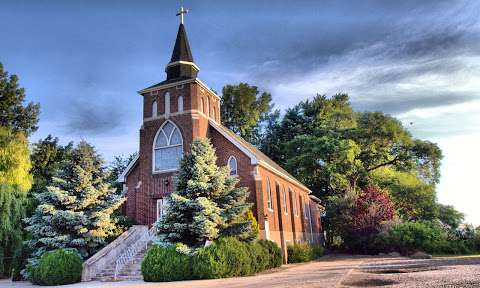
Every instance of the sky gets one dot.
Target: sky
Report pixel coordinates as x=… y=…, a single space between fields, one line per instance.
x=419 y=61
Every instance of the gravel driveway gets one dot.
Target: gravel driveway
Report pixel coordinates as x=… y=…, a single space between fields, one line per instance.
x=335 y=271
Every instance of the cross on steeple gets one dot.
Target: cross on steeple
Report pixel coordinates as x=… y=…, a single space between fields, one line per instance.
x=180 y=13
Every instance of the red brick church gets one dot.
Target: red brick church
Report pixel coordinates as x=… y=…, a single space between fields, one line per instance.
x=182 y=108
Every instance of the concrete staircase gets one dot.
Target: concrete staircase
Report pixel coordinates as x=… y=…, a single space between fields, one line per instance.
x=121 y=259
x=131 y=271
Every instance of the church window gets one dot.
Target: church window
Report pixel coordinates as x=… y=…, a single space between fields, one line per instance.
x=269 y=196
x=214 y=114
x=168 y=148
x=180 y=103
x=284 y=196
x=154 y=108
x=202 y=105
x=232 y=165
x=167 y=104
x=162 y=205
x=295 y=203
x=208 y=107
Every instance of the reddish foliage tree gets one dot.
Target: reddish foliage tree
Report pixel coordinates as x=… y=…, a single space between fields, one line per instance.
x=373 y=207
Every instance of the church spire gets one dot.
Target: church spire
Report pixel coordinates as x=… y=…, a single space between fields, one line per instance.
x=181 y=64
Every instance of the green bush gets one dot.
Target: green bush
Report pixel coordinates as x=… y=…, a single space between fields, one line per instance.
x=430 y=237
x=227 y=257
x=303 y=252
x=166 y=264
x=259 y=255
x=274 y=252
x=58 y=267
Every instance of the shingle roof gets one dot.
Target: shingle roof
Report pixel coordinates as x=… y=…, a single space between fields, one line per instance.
x=259 y=154
x=181 y=50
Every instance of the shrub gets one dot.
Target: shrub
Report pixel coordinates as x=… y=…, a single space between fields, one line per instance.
x=259 y=255
x=303 y=252
x=58 y=267
x=166 y=264
x=227 y=257
x=429 y=237
x=274 y=252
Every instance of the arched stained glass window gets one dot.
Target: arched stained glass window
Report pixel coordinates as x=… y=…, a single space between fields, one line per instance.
x=232 y=165
x=168 y=147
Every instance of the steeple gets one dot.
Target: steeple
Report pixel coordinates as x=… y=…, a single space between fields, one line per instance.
x=181 y=64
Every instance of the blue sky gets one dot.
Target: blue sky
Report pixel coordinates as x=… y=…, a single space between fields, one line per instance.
x=417 y=60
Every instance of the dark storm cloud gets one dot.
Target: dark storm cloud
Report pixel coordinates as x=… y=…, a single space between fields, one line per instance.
x=394 y=103
x=92 y=117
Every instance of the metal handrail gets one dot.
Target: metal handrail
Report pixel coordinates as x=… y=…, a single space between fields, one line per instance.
x=133 y=250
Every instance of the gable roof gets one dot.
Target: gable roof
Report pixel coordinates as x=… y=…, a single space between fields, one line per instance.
x=256 y=156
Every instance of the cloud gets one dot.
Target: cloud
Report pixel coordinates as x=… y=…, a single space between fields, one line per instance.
x=93 y=117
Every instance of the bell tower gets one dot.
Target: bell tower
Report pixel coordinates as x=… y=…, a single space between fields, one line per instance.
x=175 y=112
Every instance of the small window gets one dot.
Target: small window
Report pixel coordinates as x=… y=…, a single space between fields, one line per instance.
x=154 y=108
x=202 y=106
x=232 y=165
x=269 y=196
x=162 y=205
x=180 y=103
x=214 y=113
x=167 y=103
x=284 y=196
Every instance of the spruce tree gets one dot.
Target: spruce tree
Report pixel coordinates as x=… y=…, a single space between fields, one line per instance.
x=206 y=203
x=75 y=210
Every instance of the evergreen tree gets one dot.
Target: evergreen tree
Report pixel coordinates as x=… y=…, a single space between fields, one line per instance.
x=15 y=181
x=13 y=114
x=75 y=211
x=206 y=203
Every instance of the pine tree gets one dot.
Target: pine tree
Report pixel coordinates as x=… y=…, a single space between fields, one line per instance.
x=206 y=203
x=75 y=211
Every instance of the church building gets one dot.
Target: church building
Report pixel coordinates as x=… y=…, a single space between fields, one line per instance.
x=182 y=108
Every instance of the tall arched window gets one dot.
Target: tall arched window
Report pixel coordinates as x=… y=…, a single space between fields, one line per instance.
x=154 y=108
x=180 y=103
x=214 y=114
x=208 y=106
x=284 y=196
x=232 y=165
x=202 y=105
x=269 y=195
x=167 y=104
x=168 y=148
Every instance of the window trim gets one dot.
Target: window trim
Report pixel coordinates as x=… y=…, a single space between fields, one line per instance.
x=236 y=165
x=155 y=171
x=269 y=196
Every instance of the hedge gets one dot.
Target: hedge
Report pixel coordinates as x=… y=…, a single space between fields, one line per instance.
x=303 y=252
x=58 y=267
x=226 y=257
x=166 y=264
